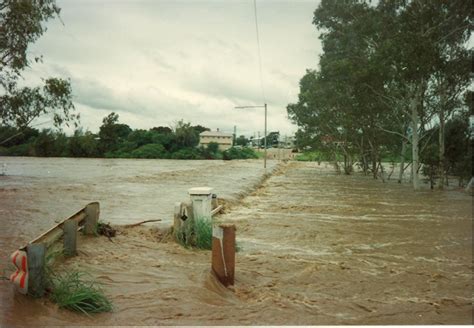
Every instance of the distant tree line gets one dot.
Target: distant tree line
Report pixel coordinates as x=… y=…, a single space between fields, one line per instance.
x=392 y=82
x=115 y=140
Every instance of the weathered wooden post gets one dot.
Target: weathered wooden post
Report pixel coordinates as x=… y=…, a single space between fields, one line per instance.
x=201 y=198
x=223 y=253
x=70 y=237
x=177 y=220
x=36 y=275
x=214 y=202
x=183 y=225
x=92 y=217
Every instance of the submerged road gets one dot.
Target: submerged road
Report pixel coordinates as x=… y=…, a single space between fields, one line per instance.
x=317 y=248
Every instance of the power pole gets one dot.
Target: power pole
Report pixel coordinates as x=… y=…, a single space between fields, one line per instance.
x=235 y=134
x=265 y=131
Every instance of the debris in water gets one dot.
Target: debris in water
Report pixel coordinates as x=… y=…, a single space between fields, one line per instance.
x=140 y=223
x=105 y=229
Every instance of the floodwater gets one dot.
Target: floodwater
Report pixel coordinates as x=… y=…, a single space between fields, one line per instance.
x=316 y=247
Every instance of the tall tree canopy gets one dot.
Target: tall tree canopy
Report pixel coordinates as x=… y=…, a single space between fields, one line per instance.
x=21 y=24
x=388 y=70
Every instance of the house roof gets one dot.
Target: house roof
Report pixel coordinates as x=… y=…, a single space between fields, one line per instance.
x=215 y=134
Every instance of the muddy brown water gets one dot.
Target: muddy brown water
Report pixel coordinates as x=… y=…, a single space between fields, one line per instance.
x=316 y=247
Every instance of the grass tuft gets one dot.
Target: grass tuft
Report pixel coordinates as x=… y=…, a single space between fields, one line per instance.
x=197 y=234
x=72 y=292
x=203 y=230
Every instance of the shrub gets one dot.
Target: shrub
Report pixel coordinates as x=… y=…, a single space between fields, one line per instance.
x=235 y=153
x=187 y=153
x=149 y=151
x=19 y=150
x=213 y=147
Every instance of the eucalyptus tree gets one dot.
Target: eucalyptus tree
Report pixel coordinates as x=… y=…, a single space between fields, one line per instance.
x=21 y=24
x=387 y=70
x=451 y=77
x=336 y=102
x=426 y=46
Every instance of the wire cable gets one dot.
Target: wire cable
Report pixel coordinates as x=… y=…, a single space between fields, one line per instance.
x=259 y=52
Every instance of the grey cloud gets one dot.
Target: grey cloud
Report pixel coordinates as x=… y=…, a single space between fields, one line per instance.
x=159 y=61
x=97 y=95
x=238 y=88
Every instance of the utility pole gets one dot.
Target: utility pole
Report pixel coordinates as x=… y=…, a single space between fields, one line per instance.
x=265 y=131
x=235 y=135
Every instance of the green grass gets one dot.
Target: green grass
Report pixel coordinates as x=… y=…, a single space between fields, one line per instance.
x=203 y=231
x=311 y=156
x=198 y=234
x=72 y=292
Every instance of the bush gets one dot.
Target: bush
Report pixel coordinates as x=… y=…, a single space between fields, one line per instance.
x=117 y=154
x=211 y=151
x=19 y=150
x=235 y=153
x=186 y=153
x=149 y=151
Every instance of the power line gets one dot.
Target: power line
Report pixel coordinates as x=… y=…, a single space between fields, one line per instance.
x=259 y=52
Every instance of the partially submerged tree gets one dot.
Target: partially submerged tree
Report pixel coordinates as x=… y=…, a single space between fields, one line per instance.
x=387 y=70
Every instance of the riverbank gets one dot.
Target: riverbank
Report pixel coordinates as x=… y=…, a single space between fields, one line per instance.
x=317 y=248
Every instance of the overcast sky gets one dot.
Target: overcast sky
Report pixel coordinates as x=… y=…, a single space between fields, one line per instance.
x=156 y=62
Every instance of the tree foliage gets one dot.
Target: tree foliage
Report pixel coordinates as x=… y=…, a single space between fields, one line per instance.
x=112 y=133
x=114 y=140
x=21 y=24
x=389 y=70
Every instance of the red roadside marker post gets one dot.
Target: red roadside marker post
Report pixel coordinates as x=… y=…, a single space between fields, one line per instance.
x=223 y=253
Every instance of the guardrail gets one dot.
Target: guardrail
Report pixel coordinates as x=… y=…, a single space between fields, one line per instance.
x=29 y=260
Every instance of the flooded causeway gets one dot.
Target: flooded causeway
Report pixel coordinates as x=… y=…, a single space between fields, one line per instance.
x=316 y=247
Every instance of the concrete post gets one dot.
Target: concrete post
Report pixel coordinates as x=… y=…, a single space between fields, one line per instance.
x=201 y=198
x=92 y=217
x=70 y=237
x=223 y=253
x=36 y=275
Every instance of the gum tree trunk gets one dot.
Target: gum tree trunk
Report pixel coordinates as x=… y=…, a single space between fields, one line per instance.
x=441 y=168
x=415 y=140
x=402 y=161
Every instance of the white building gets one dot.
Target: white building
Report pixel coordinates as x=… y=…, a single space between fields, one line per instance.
x=223 y=139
